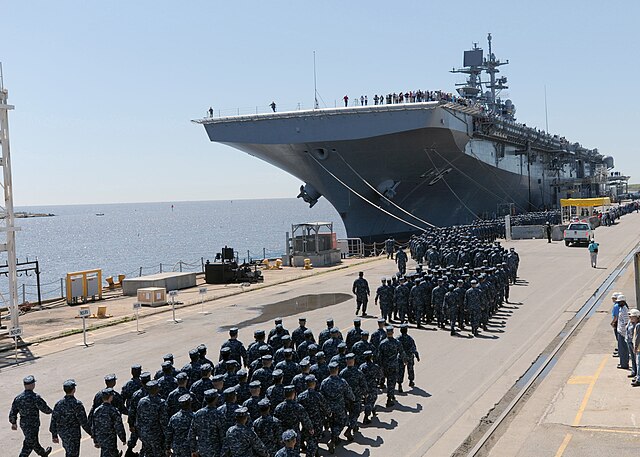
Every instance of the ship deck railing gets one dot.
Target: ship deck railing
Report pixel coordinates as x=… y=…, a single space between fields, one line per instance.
x=299 y=110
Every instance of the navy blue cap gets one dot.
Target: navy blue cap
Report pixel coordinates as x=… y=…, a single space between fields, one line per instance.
x=184 y=399
x=182 y=376
x=285 y=337
x=320 y=355
x=267 y=357
x=289 y=389
x=381 y=321
x=145 y=376
x=136 y=367
x=277 y=373
x=152 y=384
x=242 y=412
x=29 y=380
x=254 y=384
x=110 y=377
x=205 y=367
x=289 y=435
x=342 y=345
x=304 y=363
x=106 y=392
x=168 y=356
x=333 y=365
x=225 y=349
x=69 y=384
x=365 y=333
x=368 y=353
x=334 y=330
x=233 y=330
x=258 y=333
x=166 y=364
x=210 y=394
x=350 y=355
x=310 y=378
x=264 y=403
x=242 y=373
x=229 y=391
x=218 y=378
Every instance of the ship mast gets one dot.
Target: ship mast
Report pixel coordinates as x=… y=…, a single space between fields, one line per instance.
x=474 y=65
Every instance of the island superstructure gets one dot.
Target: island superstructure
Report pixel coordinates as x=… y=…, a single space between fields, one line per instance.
x=395 y=169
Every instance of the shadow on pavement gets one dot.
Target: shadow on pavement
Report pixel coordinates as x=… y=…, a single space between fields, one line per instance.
x=8 y=358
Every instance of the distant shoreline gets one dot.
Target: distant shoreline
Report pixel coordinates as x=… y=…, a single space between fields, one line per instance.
x=25 y=215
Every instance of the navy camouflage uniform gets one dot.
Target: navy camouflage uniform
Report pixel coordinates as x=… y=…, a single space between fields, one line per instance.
x=106 y=428
x=28 y=406
x=178 y=432
x=69 y=415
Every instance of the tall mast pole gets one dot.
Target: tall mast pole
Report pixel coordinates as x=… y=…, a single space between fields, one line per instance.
x=315 y=87
x=492 y=74
x=546 y=113
x=7 y=211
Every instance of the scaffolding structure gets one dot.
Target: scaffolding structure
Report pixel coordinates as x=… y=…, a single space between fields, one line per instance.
x=7 y=215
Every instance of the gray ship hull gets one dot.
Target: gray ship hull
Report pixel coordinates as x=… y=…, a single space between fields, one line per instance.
x=422 y=157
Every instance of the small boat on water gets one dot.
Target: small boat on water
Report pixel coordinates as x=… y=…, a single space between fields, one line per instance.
x=99 y=214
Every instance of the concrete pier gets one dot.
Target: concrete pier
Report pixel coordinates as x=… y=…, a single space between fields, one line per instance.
x=458 y=380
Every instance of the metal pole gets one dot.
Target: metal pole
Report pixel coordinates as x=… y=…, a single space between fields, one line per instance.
x=264 y=253
x=24 y=293
x=61 y=287
x=248 y=256
x=181 y=266
x=140 y=274
x=84 y=331
x=38 y=284
x=160 y=267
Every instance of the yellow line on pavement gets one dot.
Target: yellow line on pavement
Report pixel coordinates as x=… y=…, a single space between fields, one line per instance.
x=564 y=445
x=587 y=395
x=610 y=430
x=580 y=380
x=585 y=401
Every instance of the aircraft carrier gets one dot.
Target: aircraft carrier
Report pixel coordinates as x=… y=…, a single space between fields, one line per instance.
x=435 y=160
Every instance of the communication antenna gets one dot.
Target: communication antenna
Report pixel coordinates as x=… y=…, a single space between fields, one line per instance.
x=546 y=113
x=315 y=86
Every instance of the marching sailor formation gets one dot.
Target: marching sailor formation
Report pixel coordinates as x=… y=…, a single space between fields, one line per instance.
x=287 y=392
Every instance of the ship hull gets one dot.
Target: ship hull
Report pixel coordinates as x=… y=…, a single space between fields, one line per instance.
x=425 y=161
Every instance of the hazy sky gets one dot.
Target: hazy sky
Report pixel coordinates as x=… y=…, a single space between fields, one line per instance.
x=105 y=91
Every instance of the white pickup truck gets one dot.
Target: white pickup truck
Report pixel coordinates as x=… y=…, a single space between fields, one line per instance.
x=578 y=233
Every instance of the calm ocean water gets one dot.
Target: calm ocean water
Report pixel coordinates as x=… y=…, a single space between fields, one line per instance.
x=134 y=235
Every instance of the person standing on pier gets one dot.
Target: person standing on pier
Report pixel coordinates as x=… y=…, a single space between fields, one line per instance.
x=346 y=100
x=593 y=253
x=273 y=106
x=621 y=327
x=361 y=290
x=547 y=231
